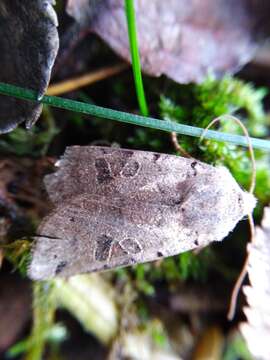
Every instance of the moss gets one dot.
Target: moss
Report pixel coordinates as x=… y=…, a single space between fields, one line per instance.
x=44 y=329
x=213 y=99
x=18 y=253
x=198 y=105
x=34 y=142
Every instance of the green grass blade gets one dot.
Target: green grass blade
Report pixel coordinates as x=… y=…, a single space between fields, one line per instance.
x=169 y=126
x=135 y=56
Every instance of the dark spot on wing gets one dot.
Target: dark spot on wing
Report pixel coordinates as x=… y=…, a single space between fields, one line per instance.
x=240 y=200
x=196 y=242
x=103 y=247
x=159 y=254
x=161 y=189
x=60 y=267
x=103 y=171
x=127 y=153
x=126 y=262
x=118 y=251
x=122 y=159
x=193 y=165
x=156 y=157
x=130 y=169
x=176 y=200
x=184 y=188
x=103 y=150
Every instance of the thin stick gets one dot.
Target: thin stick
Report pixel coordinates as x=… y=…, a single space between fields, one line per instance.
x=84 y=80
x=250 y=146
x=177 y=146
x=243 y=273
x=164 y=125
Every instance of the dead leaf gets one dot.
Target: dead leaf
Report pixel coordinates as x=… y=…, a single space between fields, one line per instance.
x=28 y=47
x=15 y=309
x=21 y=195
x=256 y=330
x=183 y=39
x=210 y=345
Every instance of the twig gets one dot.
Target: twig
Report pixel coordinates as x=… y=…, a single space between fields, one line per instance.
x=249 y=144
x=84 y=80
x=243 y=273
x=177 y=146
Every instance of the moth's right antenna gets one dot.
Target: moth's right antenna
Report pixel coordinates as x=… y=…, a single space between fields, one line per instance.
x=250 y=147
x=243 y=273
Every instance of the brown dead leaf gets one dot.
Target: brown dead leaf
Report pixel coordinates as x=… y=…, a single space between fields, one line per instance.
x=28 y=47
x=210 y=345
x=183 y=39
x=21 y=195
x=15 y=309
x=256 y=330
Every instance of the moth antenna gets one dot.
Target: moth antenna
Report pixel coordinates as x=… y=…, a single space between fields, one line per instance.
x=243 y=273
x=250 y=147
x=178 y=147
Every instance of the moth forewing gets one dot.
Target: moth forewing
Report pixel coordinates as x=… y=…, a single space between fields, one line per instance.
x=116 y=207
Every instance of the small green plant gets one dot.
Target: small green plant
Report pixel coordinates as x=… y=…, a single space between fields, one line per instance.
x=135 y=56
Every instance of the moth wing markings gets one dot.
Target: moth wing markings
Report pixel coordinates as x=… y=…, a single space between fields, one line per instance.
x=74 y=243
x=81 y=161
x=137 y=225
x=59 y=241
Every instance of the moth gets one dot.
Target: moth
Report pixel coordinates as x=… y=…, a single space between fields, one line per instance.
x=115 y=207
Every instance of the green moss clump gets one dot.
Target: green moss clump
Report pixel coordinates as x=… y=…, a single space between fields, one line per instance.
x=198 y=105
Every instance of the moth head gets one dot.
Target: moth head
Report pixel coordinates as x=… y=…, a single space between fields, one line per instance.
x=215 y=204
x=247 y=202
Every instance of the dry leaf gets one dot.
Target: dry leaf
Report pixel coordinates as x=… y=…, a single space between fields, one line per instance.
x=183 y=39
x=15 y=309
x=210 y=345
x=256 y=330
x=28 y=47
x=21 y=195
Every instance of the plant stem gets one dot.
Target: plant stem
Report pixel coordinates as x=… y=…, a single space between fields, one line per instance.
x=85 y=80
x=43 y=313
x=169 y=126
x=135 y=56
x=91 y=300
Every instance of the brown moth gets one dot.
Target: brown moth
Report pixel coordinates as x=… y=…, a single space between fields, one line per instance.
x=116 y=207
